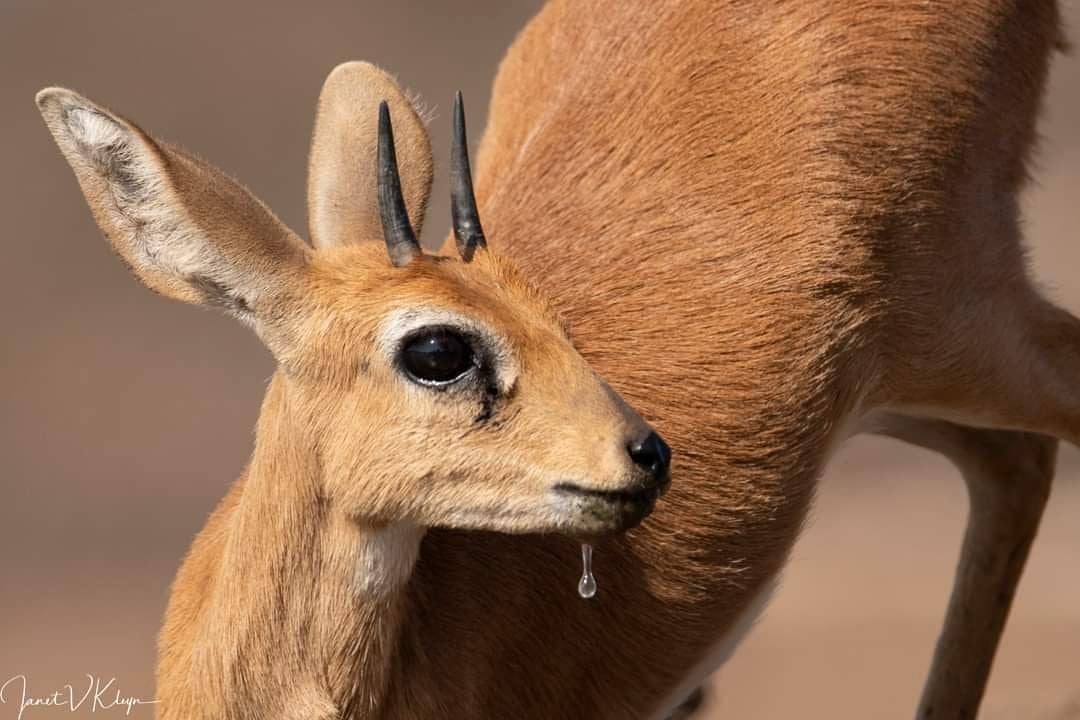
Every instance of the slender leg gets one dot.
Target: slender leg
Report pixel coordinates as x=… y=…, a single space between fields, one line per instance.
x=1008 y=477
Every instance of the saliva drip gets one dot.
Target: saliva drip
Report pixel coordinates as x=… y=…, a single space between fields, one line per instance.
x=586 y=587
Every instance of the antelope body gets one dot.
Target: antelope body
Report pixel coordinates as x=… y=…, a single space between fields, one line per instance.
x=767 y=226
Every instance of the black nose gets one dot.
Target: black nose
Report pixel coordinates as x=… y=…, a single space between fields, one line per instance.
x=653 y=456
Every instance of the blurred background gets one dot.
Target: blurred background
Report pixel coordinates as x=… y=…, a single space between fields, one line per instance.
x=125 y=416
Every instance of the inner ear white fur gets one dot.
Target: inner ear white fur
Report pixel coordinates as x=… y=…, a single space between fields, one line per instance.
x=100 y=137
x=401 y=323
x=102 y=146
x=186 y=229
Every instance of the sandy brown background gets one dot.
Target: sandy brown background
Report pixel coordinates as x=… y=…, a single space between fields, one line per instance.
x=125 y=416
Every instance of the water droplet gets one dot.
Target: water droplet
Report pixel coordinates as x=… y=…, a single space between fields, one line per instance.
x=586 y=587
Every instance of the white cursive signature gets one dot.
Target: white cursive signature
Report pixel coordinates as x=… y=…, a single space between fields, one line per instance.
x=98 y=696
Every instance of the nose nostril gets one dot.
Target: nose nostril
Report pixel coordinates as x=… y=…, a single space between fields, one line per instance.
x=651 y=454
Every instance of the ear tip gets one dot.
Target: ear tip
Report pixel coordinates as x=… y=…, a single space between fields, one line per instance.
x=54 y=103
x=354 y=67
x=355 y=76
x=49 y=97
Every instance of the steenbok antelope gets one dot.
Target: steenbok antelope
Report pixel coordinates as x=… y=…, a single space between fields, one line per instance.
x=768 y=226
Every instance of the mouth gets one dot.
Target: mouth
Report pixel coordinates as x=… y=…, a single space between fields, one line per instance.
x=610 y=510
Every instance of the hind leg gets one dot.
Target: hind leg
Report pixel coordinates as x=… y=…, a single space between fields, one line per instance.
x=1005 y=358
x=1053 y=342
x=1008 y=476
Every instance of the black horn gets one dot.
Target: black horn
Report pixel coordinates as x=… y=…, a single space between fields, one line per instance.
x=397 y=231
x=467 y=229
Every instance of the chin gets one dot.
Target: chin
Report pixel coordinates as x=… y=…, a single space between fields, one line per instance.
x=566 y=511
x=597 y=516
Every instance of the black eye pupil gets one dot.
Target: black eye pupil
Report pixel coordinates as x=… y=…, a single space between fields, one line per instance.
x=437 y=356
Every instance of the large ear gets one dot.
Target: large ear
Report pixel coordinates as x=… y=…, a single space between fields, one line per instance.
x=343 y=201
x=186 y=229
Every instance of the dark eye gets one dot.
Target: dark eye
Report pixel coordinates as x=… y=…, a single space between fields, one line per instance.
x=437 y=357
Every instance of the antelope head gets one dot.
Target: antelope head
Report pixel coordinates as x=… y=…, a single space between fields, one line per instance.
x=440 y=391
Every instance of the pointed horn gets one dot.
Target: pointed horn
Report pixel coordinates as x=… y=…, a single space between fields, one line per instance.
x=467 y=229
x=397 y=231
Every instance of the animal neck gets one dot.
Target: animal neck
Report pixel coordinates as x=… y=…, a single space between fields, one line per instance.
x=307 y=603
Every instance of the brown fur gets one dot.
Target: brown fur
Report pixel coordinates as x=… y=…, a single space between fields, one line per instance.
x=764 y=224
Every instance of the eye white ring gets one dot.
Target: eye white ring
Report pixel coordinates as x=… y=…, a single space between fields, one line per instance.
x=488 y=345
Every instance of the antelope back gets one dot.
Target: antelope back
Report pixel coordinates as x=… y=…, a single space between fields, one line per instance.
x=753 y=201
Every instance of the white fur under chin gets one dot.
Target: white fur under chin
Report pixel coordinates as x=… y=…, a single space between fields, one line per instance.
x=386 y=558
x=722 y=651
